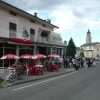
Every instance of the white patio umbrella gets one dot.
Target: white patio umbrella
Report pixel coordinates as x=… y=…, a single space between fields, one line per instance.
x=39 y=56
x=26 y=56
x=54 y=56
x=9 y=57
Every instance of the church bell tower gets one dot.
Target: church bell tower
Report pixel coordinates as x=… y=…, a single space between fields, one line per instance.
x=88 y=37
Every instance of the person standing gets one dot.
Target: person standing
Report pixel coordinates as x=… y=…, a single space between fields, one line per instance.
x=89 y=62
x=85 y=64
x=64 y=61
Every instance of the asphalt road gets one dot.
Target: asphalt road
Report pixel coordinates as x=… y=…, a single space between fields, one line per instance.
x=81 y=85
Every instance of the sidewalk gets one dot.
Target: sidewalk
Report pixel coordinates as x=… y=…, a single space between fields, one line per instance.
x=44 y=76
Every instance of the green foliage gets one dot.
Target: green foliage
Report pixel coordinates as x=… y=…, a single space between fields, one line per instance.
x=25 y=33
x=81 y=54
x=71 y=48
x=3 y=83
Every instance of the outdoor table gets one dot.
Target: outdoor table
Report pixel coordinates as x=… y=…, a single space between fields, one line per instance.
x=55 y=67
x=30 y=69
x=38 y=69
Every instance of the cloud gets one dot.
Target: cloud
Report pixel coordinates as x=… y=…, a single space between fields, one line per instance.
x=80 y=8
x=91 y=23
x=73 y=17
x=36 y=4
x=63 y=17
x=87 y=9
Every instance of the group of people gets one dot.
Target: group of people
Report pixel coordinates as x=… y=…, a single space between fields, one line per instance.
x=77 y=62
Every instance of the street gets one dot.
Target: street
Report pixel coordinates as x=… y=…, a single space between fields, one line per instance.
x=81 y=85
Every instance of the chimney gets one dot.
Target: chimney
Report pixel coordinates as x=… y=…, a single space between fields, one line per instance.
x=49 y=21
x=35 y=14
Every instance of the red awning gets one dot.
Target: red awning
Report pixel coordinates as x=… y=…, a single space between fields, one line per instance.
x=20 y=41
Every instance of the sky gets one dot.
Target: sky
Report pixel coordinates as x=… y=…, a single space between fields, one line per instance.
x=73 y=17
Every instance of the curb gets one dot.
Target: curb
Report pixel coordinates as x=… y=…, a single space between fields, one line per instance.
x=40 y=78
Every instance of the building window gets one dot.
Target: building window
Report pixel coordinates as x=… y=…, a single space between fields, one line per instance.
x=12 y=26
x=54 y=50
x=12 y=29
x=32 y=32
x=44 y=34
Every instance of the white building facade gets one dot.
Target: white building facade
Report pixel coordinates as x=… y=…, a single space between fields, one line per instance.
x=21 y=32
x=91 y=49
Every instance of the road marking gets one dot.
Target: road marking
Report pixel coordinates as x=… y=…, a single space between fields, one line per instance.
x=44 y=81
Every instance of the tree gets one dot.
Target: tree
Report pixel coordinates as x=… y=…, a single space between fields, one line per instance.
x=71 y=48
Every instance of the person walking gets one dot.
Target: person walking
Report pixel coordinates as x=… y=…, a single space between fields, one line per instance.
x=76 y=64
x=85 y=64
x=64 y=61
x=89 y=62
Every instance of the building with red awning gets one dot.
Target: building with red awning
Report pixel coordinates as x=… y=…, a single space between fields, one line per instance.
x=24 y=33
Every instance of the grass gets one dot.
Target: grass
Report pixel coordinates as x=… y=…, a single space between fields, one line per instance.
x=3 y=83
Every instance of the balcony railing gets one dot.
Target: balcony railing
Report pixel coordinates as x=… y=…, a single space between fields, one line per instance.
x=43 y=39
x=48 y=41
x=12 y=34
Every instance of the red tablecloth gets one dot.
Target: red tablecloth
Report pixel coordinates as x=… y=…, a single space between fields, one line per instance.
x=53 y=67
x=35 y=69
